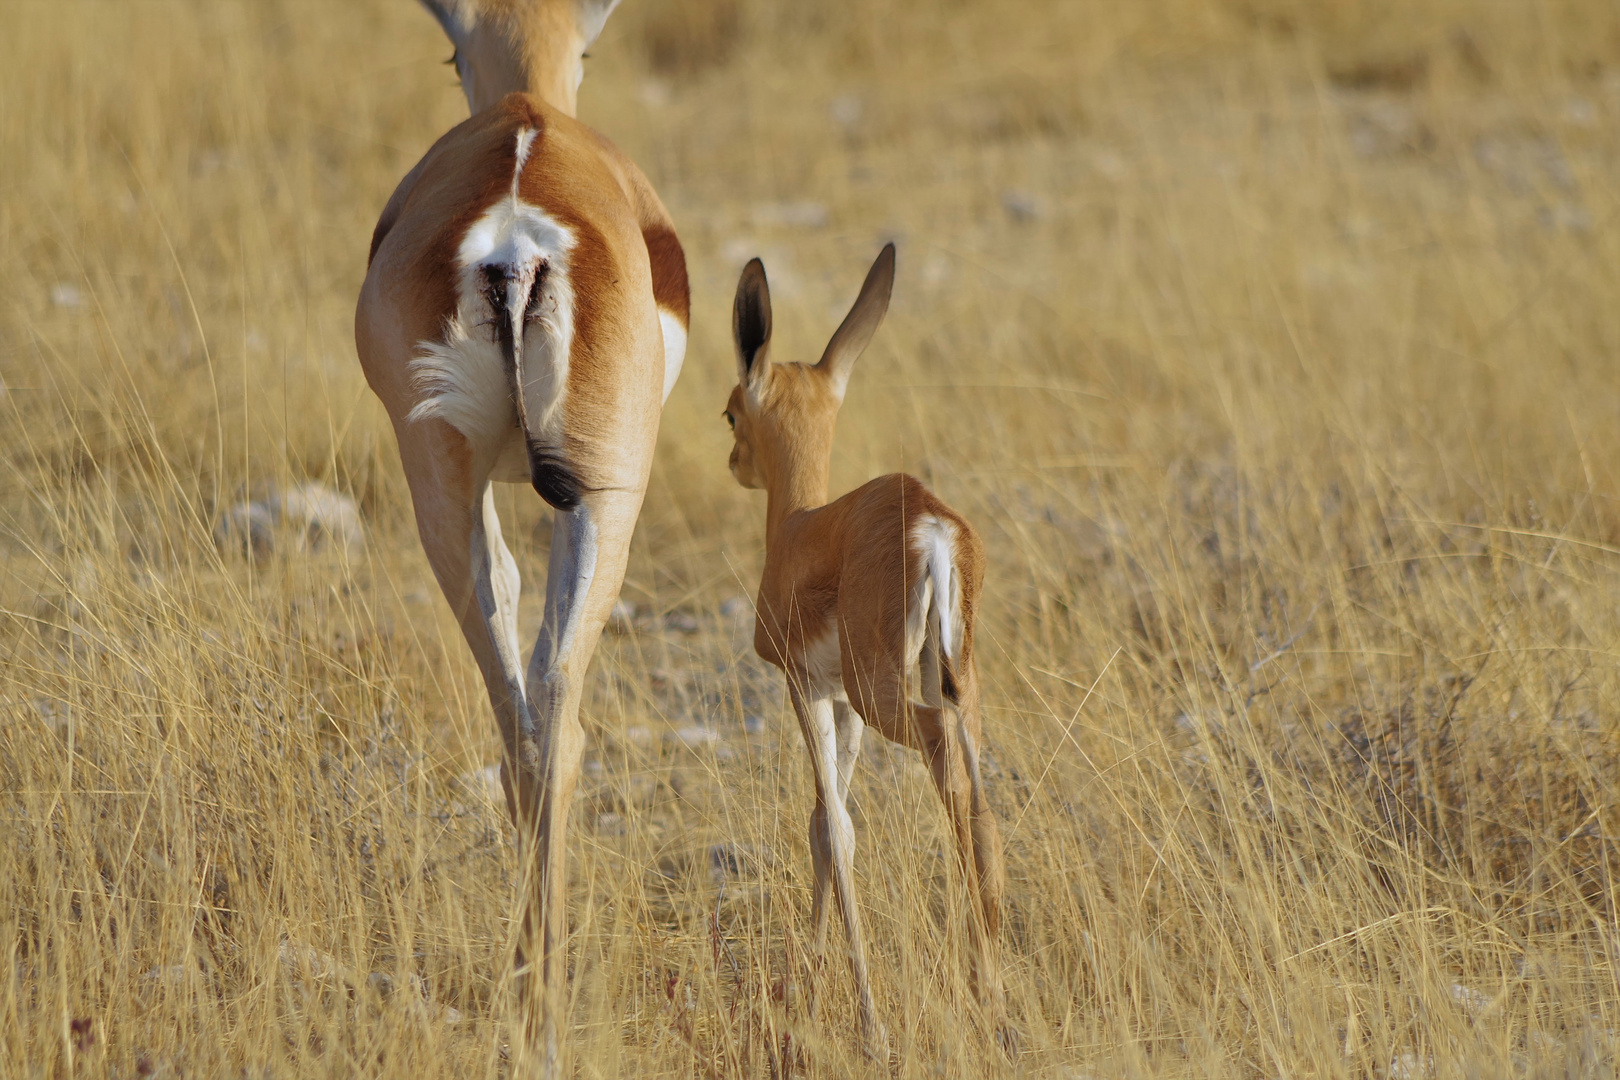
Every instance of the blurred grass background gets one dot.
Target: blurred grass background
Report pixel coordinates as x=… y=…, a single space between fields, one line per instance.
x=1271 y=344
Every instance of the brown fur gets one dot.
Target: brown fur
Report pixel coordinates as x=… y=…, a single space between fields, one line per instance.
x=848 y=567
x=625 y=265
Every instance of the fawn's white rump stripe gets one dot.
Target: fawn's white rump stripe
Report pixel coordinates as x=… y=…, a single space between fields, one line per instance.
x=462 y=378
x=933 y=540
x=887 y=578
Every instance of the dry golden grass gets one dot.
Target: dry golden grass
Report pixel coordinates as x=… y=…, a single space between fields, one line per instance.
x=1271 y=344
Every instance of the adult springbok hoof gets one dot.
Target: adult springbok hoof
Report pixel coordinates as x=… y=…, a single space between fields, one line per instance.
x=875 y=1042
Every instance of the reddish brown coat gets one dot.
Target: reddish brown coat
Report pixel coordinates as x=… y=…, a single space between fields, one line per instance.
x=863 y=570
x=520 y=63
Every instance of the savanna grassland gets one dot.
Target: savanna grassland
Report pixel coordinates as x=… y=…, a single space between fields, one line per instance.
x=1272 y=345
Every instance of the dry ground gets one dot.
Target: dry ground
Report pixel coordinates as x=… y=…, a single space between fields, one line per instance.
x=1272 y=346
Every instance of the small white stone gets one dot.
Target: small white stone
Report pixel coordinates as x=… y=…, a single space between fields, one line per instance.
x=1021 y=206
x=846 y=110
x=321 y=515
x=694 y=737
x=1109 y=164
x=249 y=526
x=1475 y=1001
x=654 y=92
x=172 y=974
x=681 y=622
x=1410 y=1067
x=486 y=783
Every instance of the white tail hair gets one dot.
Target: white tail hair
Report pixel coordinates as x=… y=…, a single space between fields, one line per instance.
x=939 y=595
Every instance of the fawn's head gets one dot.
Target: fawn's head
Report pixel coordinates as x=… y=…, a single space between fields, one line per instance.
x=782 y=415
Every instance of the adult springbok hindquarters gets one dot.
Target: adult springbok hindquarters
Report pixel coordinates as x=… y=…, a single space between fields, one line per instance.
x=523 y=319
x=856 y=593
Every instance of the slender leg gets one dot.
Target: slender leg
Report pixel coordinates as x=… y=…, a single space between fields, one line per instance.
x=951 y=736
x=989 y=868
x=589 y=547
x=948 y=734
x=497 y=586
x=848 y=727
x=978 y=842
x=461 y=535
x=949 y=739
x=990 y=874
x=831 y=826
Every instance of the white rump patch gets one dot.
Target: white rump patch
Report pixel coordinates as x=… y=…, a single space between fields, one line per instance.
x=674 y=348
x=933 y=540
x=462 y=377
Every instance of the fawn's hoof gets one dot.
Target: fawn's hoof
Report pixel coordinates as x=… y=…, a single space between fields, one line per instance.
x=1007 y=1038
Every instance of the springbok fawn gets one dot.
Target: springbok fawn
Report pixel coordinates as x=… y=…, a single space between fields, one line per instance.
x=856 y=592
x=523 y=319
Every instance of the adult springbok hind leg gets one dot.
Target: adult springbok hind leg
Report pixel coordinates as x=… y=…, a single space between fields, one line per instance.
x=589 y=548
x=461 y=536
x=523 y=315
x=600 y=365
x=537 y=715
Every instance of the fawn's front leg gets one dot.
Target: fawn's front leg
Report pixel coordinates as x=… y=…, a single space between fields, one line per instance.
x=832 y=845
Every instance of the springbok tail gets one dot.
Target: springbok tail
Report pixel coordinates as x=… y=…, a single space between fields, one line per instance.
x=514 y=294
x=943 y=606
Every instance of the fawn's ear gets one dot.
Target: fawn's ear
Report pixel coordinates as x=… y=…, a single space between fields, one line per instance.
x=861 y=323
x=751 y=326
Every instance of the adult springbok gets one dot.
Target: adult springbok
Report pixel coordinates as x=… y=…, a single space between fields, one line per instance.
x=523 y=318
x=855 y=594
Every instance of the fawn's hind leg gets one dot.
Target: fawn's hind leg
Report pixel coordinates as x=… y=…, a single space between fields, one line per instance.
x=949 y=735
x=952 y=756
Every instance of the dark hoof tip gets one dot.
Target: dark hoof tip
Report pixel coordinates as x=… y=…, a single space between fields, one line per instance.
x=1007 y=1038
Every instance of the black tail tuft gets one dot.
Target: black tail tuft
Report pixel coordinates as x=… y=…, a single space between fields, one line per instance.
x=553 y=479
